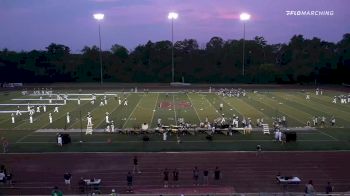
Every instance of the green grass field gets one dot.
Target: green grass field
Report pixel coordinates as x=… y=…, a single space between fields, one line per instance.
x=193 y=107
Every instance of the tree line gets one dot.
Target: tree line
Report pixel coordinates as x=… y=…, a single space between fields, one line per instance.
x=220 y=61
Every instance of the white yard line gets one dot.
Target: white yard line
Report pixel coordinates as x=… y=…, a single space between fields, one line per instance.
x=132 y=112
x=174 y=110
x=193 y=107
x=335 y=139
x=24 y=137
x=154 y=110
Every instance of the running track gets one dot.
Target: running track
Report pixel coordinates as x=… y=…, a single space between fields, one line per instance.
x=242 y=171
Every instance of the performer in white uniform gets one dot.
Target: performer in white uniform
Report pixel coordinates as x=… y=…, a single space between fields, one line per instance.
x=18 y=111
x=112 y=126
x=30 y=118
x=89 y=120
x=56 y=109
x=13 y=118
x=38 y=109
x=50 y=118
x=68 y=118
x=107 y=117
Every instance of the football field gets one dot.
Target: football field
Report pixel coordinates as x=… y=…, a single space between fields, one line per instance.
x=192 y=107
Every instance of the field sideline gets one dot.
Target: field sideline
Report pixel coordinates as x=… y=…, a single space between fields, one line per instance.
x=193 y=107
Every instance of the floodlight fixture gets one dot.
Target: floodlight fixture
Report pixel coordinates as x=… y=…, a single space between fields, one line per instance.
x=99 y=16
x=173 y=15
x=244 y=16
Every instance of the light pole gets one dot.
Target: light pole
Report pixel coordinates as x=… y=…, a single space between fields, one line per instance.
x=244 y=17
x=100 y=17
x=172 y=16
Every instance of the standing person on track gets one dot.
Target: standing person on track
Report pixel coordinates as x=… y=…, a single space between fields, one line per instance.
x=309 y=189
x=258 y=149
x=196 y=176
x=217 y=174
x=329 y=188
x=67 y=177
x=136 y=165
x=176 y=177
x=81 y=185
x=5 y=144
x=205 y=177
x=129 y=182
x=166 y=178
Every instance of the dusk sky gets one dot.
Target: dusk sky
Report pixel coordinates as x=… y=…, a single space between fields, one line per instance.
x=34 y=24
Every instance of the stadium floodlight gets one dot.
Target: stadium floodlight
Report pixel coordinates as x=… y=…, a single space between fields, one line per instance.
x=100 y=17
x=244 y=17
x=172 y=16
